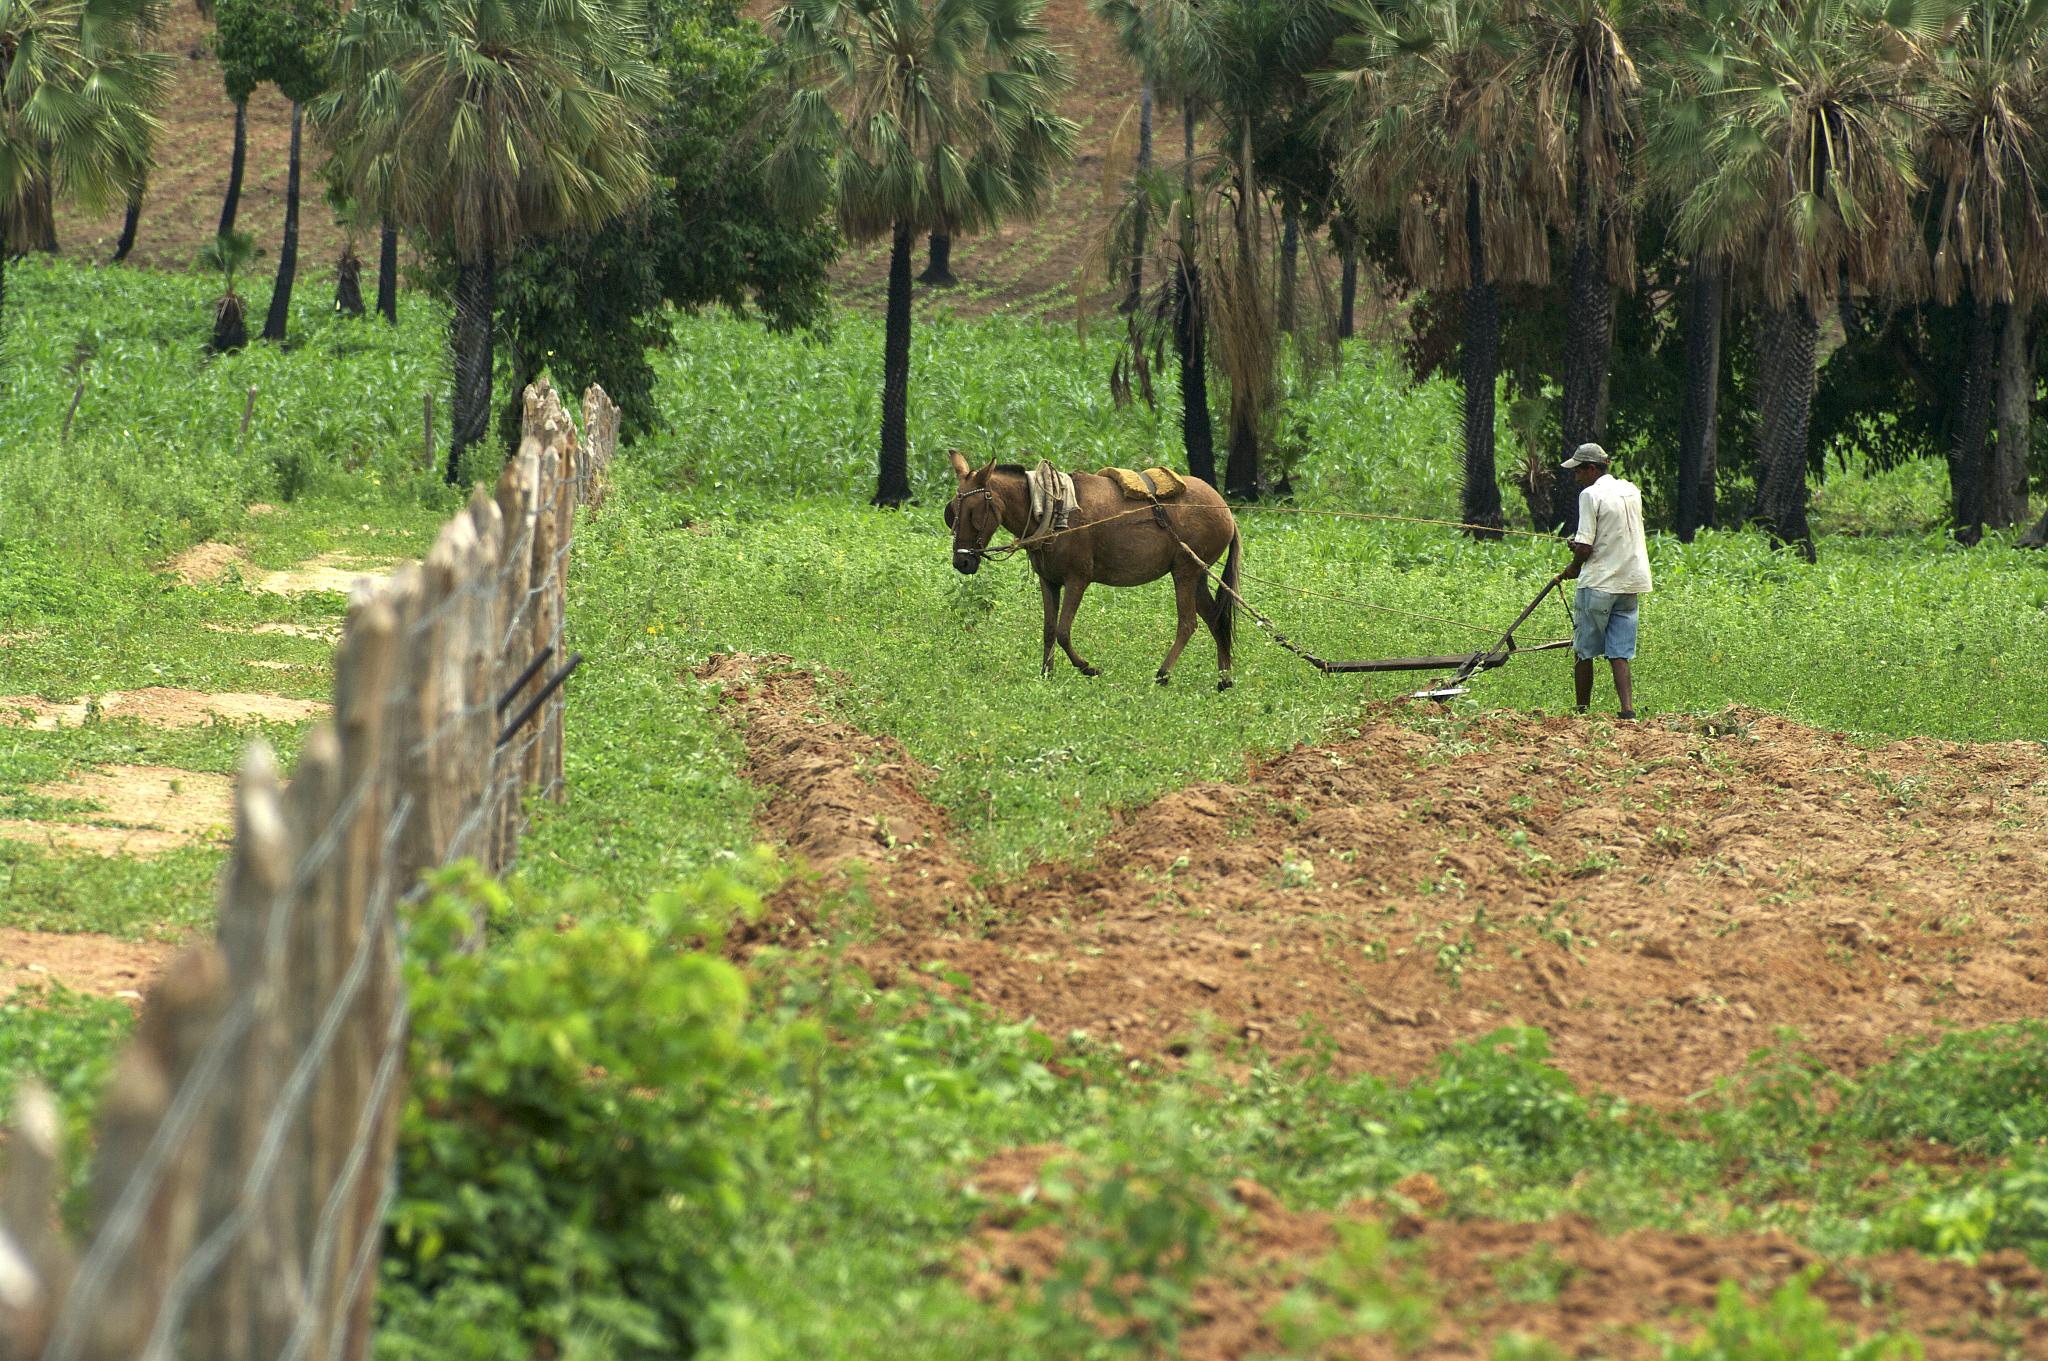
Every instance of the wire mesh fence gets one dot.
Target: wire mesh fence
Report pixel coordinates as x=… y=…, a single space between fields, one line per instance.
x=244 y=1149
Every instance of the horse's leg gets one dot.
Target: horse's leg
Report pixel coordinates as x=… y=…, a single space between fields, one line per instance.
x=1049 y=596
x=1072 y=603
x=1188 y=612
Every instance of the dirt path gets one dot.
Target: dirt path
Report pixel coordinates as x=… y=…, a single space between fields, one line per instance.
x=82 y=962
x=1659 y=897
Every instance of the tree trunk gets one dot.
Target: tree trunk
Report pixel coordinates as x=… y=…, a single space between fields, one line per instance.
x=1784 y=415
x=1481 y=364
x=938 y=270
x=1697 y=423
x=42 y=214
x=129 y=222
x=1197 y=435
x=1136 y=291
x=892 y=487
x=1588 y=340
x=232 y=203
x=1190 y=332
x=387 y=272
x=279 y=316
x=1241 y=468
x=1290 y=264
x=230 y=324
x=476 y=288
x=1348 y=293
x=2015 y=405
x=348 y=285
x=1967 y=438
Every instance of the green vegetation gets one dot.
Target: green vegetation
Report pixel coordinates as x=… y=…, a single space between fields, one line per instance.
x=619 y=1145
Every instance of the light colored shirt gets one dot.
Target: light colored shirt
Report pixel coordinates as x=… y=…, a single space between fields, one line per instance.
x=1611 y=521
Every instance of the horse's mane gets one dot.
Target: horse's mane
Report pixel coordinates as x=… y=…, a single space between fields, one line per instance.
x=1017 y=468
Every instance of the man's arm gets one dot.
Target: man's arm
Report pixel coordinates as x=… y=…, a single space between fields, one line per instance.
x=1582 y=542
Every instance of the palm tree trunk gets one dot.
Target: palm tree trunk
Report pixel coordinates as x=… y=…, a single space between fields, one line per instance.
x=1136 y=290
x=1481 y=365
x=1348 y=292
x=1197 y=434
x=938 y=270
x=233 y=201
x=43 y=215
x=1784 y=416
x=1190 y=329
x=387 y=272
x=1697 y=423
x=348 y=285
x=129 y=222
x=476 y=286
x=279 y=316
x=892 y=486
x=1290 y=264
x=2014 y=402
x=1588 y=340
x=1966 y=461
x=1241 y=470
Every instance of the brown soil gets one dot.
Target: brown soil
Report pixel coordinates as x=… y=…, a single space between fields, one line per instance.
x=158 y=706
x=1659 y=897
x=1587 y=1291
x=206 y=563
x=83 y=963
x=138 y=810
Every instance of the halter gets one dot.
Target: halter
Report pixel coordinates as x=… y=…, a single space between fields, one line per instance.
x=953 y=506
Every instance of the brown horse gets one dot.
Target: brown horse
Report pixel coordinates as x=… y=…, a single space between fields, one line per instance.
x=1111 y=540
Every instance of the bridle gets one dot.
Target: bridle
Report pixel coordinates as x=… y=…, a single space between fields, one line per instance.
x=953 y=515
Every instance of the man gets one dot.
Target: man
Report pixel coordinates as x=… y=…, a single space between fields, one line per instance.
x=1612 y=564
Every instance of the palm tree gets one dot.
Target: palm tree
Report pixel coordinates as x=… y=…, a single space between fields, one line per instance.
x=348 y=270
x=1984 y=96
x=483 y=123
x=915 y=116
x=1806 y=188
x=1438 y=133
x=1585 y=94
x=227 y=255
x=1131 y=22
x=1244 y=63
x=78 y=94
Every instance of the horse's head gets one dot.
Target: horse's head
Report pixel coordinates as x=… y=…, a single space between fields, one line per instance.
x=972 y=515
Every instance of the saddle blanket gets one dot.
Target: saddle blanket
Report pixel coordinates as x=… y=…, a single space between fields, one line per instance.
x=1052 y=499
x=1164 y=483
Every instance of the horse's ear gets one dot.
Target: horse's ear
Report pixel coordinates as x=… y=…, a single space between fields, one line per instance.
x=960 y=468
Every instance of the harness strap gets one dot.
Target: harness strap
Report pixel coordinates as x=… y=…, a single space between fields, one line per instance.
x=1158 y=511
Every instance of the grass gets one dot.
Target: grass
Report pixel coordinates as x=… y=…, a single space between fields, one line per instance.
x=740 y=527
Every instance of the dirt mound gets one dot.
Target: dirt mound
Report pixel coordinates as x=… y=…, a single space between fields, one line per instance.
x=847 y=803
x=83 y=963
x=205 y=563
x=158 y=706
x=1589 y=1292
x=135 y=810
x=1659 y=897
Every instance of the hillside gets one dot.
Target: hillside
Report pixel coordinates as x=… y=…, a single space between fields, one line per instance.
x=1026 y=268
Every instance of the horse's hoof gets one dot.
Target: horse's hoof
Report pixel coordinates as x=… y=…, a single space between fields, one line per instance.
x=1090 y=671
x=1224 y=683
x=1162 y=677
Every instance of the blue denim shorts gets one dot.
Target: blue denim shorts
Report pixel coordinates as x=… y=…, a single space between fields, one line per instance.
x=1603 y=625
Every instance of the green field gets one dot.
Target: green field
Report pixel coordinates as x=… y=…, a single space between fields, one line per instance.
x=794 y=1177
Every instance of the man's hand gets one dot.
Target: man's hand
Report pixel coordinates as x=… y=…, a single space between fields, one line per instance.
x=1580 y=552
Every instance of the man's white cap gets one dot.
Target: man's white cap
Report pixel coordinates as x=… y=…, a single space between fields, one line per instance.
x=1588 y=453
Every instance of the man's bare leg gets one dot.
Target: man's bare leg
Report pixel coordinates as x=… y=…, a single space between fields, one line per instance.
x=1582 y=680
x=1624 y=688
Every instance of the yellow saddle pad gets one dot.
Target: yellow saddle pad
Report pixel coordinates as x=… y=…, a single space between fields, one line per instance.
x=1166 y=483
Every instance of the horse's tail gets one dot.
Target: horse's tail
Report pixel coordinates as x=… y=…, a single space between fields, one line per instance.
x=1222 y=607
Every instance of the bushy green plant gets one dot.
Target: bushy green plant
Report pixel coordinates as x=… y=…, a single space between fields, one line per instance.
x=568 y=1167
x=1982 y=1091
x=1499 y=1091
